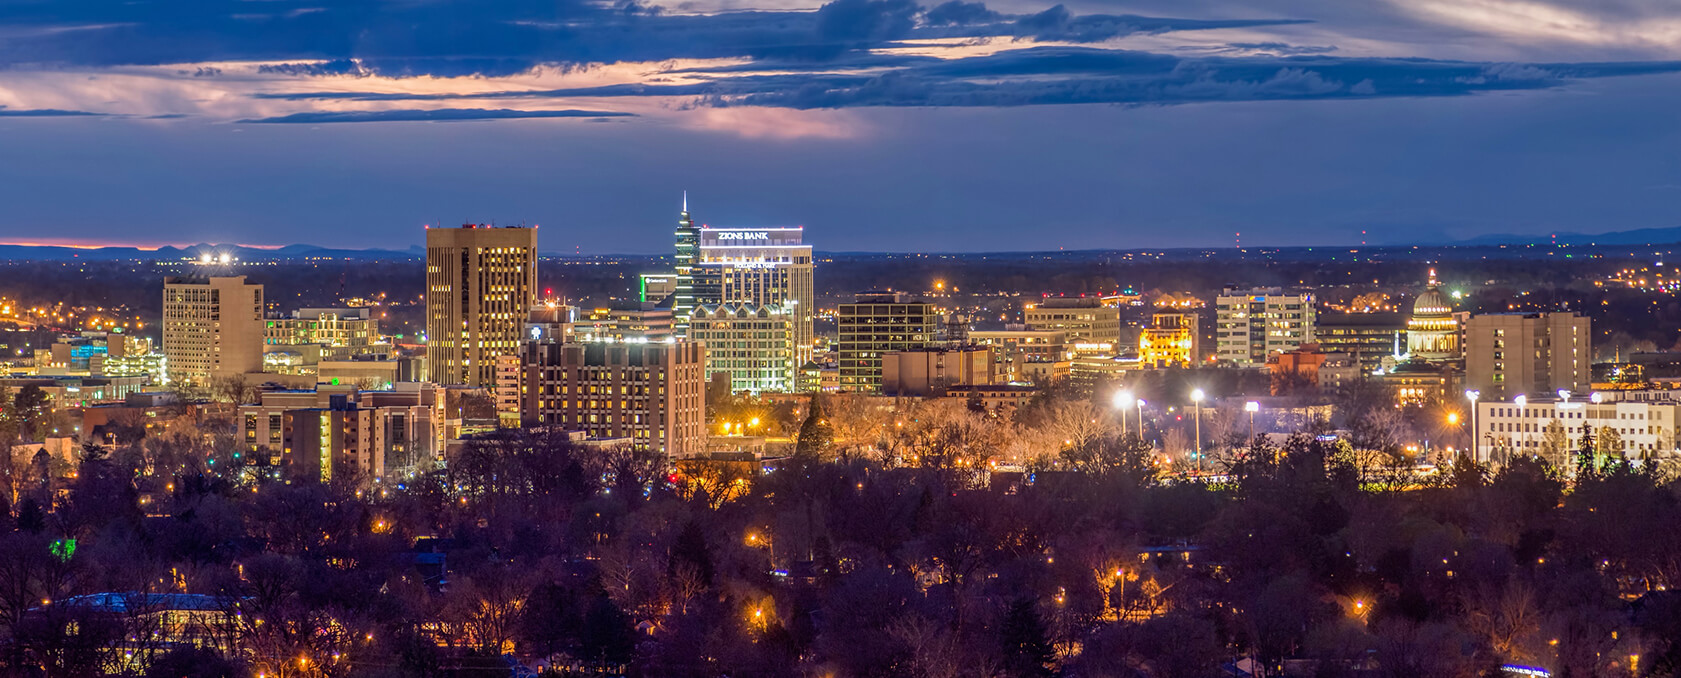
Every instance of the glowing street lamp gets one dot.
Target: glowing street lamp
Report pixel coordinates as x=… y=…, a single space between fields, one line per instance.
x=1196 y=397
x=1123 y=401
x=1472 y=395
x=1251 y=407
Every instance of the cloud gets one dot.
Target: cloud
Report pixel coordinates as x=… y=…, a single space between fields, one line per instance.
x=44 y=113
x=433 y=115
x=1049 y=75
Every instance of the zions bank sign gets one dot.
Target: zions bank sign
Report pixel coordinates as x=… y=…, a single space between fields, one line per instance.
x=743 y=236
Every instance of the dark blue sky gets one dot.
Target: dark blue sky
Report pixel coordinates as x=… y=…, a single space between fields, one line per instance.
x=877 y=124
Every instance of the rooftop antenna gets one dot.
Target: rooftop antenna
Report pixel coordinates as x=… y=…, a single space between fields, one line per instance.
x=685 y=200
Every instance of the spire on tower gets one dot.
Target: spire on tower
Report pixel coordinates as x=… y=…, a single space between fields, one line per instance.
x=685 y=201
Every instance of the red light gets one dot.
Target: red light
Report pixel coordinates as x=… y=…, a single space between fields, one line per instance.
x=671 y=479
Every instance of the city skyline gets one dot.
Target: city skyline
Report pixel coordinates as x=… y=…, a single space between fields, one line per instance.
x=943 y=127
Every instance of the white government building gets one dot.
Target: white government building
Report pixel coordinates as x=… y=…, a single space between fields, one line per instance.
x=1644 y=424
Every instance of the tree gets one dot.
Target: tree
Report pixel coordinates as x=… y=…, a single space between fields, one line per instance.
x=30 y=410
x=1554 y=442
x=1610 y=442
x=1026 y=644
x=816 y=435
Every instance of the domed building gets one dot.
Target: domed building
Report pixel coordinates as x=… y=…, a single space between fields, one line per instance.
x=1432 y=331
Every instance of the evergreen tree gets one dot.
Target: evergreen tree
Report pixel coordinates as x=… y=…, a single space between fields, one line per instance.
x=1027 y=649
x=816 y=435
x=1585 y=453
x=690 y=550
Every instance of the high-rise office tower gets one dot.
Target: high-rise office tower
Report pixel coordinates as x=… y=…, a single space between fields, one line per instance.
x=761 y=267
x=481 y=283
x=688 y=250
x=212 y=328
x=876 y=324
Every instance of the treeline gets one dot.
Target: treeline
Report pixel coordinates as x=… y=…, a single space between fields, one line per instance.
x=919 y=562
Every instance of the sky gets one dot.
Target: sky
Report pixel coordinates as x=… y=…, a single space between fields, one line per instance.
x=879 y=125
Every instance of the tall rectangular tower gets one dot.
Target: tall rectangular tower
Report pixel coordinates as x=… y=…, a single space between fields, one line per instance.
x=688 y=251
x=1527 y=354
x=761 y=267
x=212 y=328
x=481 y=283
x=876 y=324
x=1253 y=324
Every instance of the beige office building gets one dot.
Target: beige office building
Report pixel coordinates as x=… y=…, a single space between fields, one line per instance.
x=1083 y=319
x=341 y=332
x=650 y=394
x=481 y=283
x=212 y=328
x=930 y=372
x=1025 y=356
x=1529 y=354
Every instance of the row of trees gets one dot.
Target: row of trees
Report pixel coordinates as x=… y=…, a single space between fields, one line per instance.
x=892 y=549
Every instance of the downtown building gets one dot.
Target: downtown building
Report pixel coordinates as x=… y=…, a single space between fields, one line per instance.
x=340 y=332
x=651 y=396
x=1630 y=429
x=1171 y=340
x=212 y=328
x=1026 y=356
x=336 y=433
x=481 y=283
x=753 y=346
x=1527 y=354
x=1251 y=325
x=763 y=268
x=874 y=325
x=1084 y=320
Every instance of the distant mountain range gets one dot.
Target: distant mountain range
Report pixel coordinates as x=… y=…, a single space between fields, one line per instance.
x=1641 y=236
x=173 y=253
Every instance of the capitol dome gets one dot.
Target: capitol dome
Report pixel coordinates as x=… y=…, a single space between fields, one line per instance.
x=1432 y=331
x=1432 y=304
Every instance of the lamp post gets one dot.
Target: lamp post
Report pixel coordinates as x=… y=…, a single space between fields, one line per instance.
x=1196 y=397
x=1140 y=404
x=1522 y=403
x=1251 y=407
x=1123 y=401
x=1472 y=394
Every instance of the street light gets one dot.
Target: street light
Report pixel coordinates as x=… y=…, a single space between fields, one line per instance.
x=1123 y=401
x=1471 y=395
x=1196 y=397
x=1140 y=418
x=1251 y=407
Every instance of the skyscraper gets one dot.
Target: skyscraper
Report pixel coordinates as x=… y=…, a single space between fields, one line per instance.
x=212 y=328
x=688 y=249
x=481 y=282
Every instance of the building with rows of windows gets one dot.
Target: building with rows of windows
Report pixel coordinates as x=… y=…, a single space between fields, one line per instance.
x=652 y=395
